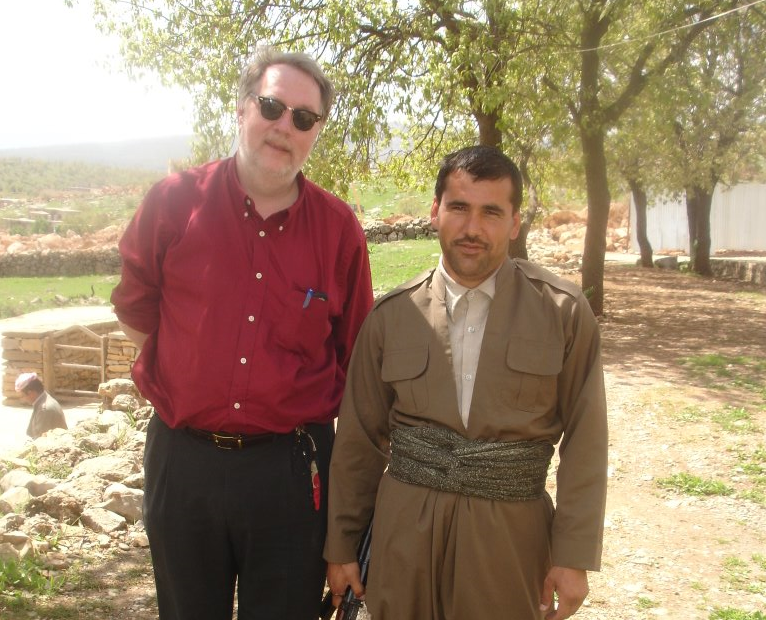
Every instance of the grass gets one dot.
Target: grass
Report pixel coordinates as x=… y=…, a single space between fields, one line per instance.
x=381 y=200
x=753 y=467
x=644 y=602
x=23 y=295
x=736 y=420
x=26 y=575
x=725 y=372
x=743 y=575
x=50 y=469
x=391 y=264
x=398 y=261
x=735 y=614
x=690 y=484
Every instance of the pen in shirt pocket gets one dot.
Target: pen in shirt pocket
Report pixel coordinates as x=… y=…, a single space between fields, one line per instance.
x=312 y=294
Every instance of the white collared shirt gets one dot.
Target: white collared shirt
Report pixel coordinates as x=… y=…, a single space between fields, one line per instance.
x=467 y=311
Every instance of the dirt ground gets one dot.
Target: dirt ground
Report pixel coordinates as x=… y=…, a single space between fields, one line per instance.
x=666 y=554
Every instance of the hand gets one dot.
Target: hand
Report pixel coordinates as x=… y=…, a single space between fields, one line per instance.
x=340 y=576
x=571 y=585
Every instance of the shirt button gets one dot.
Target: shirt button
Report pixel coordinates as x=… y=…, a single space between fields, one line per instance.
x=468 y=377
x=248 y=202
x=243 y=360
x=251 y=318
x=469 y=294
x=237 y=405
x=262 y=234
x=281 y=228
x=247 y=214
x=471 y=329
x=259 y=275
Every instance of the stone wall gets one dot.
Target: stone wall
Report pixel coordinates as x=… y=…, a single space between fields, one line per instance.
x=742 y=270
x=60 y=263
x=61 y=346
x=120 y=355
x=106 y=260
x=402 y=228
x=64 y=370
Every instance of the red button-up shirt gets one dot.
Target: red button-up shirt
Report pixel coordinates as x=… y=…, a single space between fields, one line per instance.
x=251 y=322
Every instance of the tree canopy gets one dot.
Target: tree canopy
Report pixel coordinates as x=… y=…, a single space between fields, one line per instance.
x=420 y=78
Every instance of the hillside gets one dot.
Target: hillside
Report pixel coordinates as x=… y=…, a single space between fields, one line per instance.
x=145 y=154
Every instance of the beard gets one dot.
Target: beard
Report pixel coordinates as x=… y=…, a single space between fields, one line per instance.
x=474 y=268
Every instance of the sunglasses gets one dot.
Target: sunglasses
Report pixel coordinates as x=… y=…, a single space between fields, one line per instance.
x=273 y=109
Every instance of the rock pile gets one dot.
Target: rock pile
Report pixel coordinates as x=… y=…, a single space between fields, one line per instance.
x=74 y=491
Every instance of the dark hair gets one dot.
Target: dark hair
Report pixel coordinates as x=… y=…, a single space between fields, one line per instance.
x=35 y=385
x=266 y=56
x=482 y=163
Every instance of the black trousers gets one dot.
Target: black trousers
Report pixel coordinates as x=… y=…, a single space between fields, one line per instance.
x=219 y=518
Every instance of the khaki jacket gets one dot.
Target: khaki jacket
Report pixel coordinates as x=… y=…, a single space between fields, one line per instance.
x=539 y=378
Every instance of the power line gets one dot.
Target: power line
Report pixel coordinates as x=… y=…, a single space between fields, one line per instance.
x=670 y=30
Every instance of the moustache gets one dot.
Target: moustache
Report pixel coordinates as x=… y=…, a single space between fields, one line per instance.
x=278 y=143
x=470 y=241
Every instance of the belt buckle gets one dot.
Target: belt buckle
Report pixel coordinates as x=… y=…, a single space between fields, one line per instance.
x=218 y=439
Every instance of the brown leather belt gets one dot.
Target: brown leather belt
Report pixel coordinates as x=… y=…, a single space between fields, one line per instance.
x=233 y=441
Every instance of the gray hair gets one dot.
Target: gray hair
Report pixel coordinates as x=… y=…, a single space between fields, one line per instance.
x=266 y=56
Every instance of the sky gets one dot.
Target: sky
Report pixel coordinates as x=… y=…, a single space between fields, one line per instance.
x=61 y=82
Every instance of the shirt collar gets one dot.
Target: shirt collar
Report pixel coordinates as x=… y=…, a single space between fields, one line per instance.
x=241 y=198
x=454 y=292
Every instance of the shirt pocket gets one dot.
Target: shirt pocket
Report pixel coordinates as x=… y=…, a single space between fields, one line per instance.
x=405 y=371
x=534 y=368
x=303 y=330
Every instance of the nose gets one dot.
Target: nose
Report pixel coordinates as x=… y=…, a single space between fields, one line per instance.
x=472 y=223
x=285 y=122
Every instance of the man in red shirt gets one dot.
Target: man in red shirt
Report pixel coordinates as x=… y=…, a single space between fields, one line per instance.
x=244 y=284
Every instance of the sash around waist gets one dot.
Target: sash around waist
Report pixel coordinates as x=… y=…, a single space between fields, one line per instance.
x=444 y=460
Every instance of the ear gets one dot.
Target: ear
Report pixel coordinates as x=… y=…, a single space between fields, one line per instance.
x=516 y=225
x=435 y=214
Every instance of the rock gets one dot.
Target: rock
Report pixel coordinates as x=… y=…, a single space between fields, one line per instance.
x=11 y=521
x=102 y=521
x=86 y=487
x=35 y=484
x=136 y=481
x=666 y=262
x=16 y=538
x=559 y=218
x=125 y=402
x=138 y=539
x=59 y=505
x=113 y=421
x=114 y=387
x=16 y=498
x=8 y=552
x=98 y=442
x=112 y=467
x=15 y=478
x=124 y=501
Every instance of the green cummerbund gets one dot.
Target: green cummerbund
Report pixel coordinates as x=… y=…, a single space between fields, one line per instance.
x=444 y=460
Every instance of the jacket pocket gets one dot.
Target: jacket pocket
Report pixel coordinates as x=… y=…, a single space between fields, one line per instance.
x=405 y=371
x=534 y=367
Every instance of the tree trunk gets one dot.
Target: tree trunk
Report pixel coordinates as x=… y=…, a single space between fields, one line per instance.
x=599 y=200
x=639 y=198
x=489 y=134
x=518 y=246
x=698 y=204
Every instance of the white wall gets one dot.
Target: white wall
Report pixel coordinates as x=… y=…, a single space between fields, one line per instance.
x=737 y=220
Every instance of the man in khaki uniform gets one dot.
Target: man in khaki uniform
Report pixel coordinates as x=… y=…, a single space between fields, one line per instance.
x=461 y=383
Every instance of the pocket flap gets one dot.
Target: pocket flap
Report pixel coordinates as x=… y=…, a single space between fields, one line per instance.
x=534 y=357
x=404 y=364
